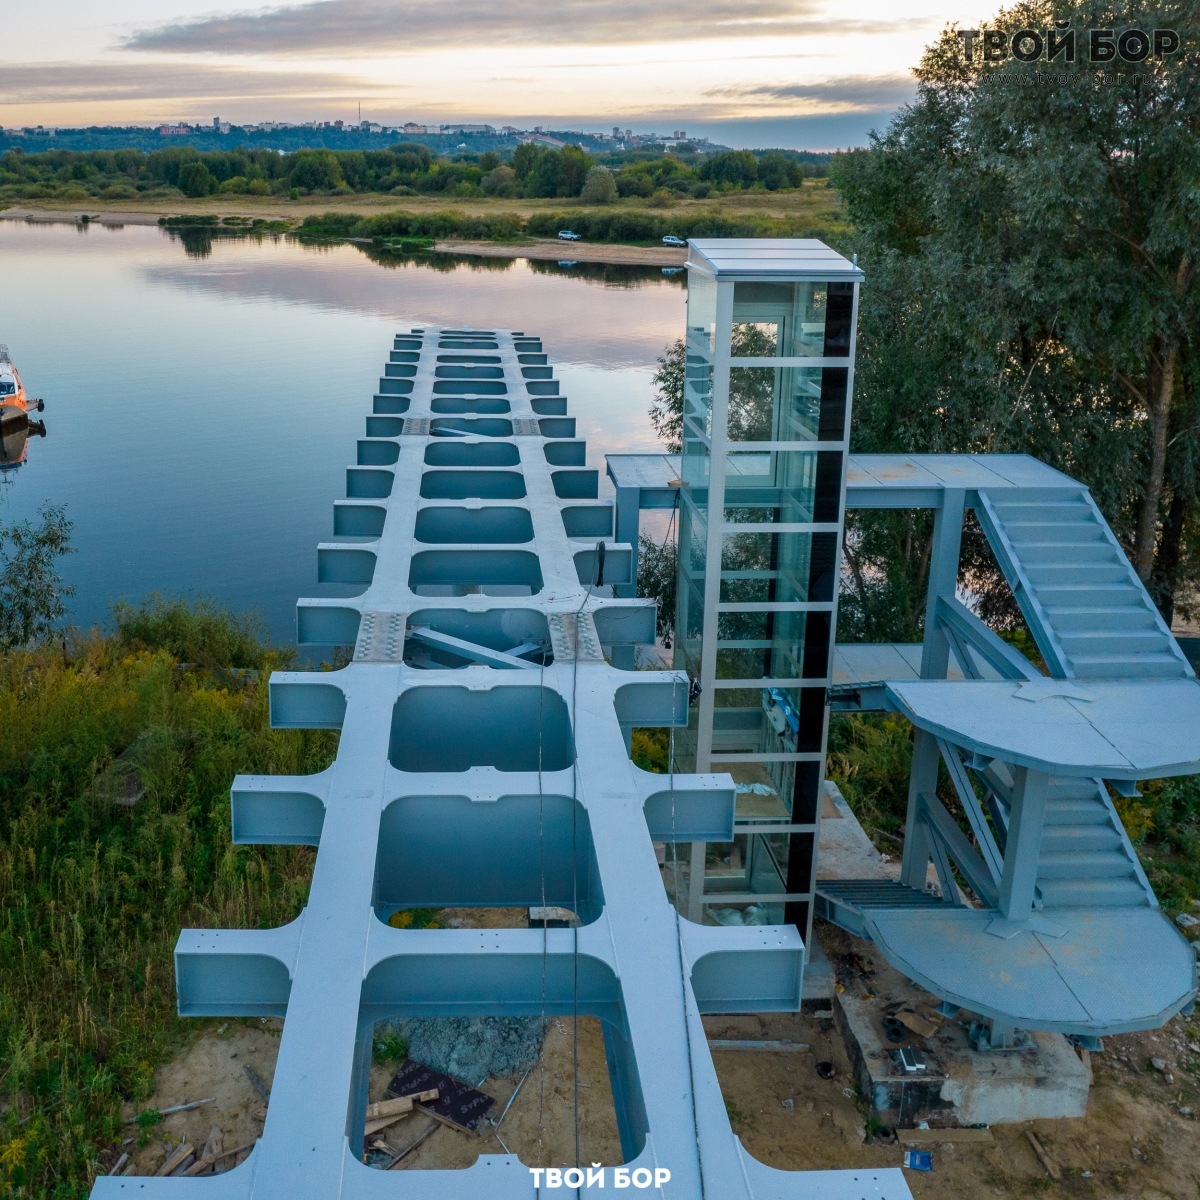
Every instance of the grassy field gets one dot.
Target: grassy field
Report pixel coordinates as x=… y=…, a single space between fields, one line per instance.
x=815 y=204
x=93 y=894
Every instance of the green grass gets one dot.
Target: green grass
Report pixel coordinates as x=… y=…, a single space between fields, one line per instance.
x=93 y=895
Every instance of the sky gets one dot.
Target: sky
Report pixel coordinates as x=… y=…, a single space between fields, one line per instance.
x=804 y=74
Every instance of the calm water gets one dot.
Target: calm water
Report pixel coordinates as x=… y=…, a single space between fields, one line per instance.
x=201 y=410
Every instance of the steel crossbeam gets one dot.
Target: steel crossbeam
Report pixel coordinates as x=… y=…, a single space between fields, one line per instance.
x=504 y=782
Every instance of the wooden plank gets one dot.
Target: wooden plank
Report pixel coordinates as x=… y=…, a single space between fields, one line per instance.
x=175 y=1159
x=1045 y=1159
x=402 y=1104
x=919 y=1137
x=459 y=1105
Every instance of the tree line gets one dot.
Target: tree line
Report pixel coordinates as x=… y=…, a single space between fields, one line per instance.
x=532 y=170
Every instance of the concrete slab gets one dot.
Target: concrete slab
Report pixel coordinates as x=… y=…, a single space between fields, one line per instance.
x=962 y=1086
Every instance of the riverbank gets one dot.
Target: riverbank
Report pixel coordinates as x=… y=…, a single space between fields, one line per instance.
x=628 y=231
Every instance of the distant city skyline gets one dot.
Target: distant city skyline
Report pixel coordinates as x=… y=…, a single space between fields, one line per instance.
x=803 y=74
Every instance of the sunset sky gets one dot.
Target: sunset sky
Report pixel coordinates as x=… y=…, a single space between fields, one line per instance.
x=803 y=73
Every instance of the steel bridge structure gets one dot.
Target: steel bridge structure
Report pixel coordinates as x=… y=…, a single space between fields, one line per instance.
x=484 y=760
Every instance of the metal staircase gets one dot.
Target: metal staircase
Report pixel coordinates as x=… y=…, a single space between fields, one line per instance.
x=1086 y=606
x=1086 y=860
x=1063 y=932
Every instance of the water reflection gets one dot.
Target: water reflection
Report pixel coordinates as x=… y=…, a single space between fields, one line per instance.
x=15 y=431
x=240 y=378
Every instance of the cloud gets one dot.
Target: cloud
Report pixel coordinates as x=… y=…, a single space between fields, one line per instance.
x=39 y=83
x=855 y=93
x=379 y=25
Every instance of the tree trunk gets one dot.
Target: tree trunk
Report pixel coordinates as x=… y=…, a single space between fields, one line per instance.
x=1167 y=576
x=1160 y=419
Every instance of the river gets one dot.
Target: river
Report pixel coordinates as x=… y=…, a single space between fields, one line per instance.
x=204 y=399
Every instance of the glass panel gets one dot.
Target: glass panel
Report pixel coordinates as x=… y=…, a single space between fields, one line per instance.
x=697 y=397
x=701 y=314
x=689 y=621
x=766 y=567
x=770 y=487
x=761 y=645
x=769 y=721
x=787 y=404
x=791 y=320
x=772 y=645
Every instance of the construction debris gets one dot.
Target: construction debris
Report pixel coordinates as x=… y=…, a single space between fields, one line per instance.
x=916 y=1137
x=1045 y=1159
x=181 y=1157
x=387 y=1112
x=458 y=1105
x=774 y=1047
x=916 y=1023
x=263 y=1090
x=166 y=1112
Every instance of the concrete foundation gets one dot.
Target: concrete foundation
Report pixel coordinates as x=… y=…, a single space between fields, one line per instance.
x=960 y=1086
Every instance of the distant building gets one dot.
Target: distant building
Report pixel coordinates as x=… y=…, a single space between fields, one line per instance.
x=174 y=130
x=40 y=131
x=217 y=123
x=458 y=128
x=410 y=127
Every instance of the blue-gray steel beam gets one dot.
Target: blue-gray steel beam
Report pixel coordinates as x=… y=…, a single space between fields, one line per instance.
x=450 y=767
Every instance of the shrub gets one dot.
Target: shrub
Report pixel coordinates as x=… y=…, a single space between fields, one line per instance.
x=599 y=187
x=258 y=187
x=199 y=631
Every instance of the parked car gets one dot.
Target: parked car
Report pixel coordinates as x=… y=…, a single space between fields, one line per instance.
x=669 y=240
x=568 y=235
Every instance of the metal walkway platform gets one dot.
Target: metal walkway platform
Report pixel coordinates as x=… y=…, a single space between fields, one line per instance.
x=1034 y=834
x=483 y=761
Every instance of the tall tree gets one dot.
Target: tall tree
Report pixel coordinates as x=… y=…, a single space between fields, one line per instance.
x=1031 y=240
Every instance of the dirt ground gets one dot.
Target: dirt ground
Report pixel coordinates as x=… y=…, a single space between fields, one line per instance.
x=213 y=1066
x=1138 y=1139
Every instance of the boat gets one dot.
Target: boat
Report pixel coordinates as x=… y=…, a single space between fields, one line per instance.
x=15 y=406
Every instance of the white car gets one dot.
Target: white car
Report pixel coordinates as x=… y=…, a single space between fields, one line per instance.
x=567 y=235
x=669 y=240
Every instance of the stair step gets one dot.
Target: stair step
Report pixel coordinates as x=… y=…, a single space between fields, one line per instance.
x=1129 y=666
x=1077 y=813
x=1097 y=864
x=1057 y=574
x=1093 y=893
x=1075 y=509
x=1069 y=554
x=1081 y=839
x=1054 y=596
x=1022 y=533
x=1068 y=620
x=1113 y=641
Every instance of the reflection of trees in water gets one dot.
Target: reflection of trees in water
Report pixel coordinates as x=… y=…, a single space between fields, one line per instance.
x=751 y=389
x=198 y=240
x=611 y=274
x=433 y=261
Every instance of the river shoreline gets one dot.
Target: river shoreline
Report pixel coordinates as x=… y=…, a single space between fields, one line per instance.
x=549 y=249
